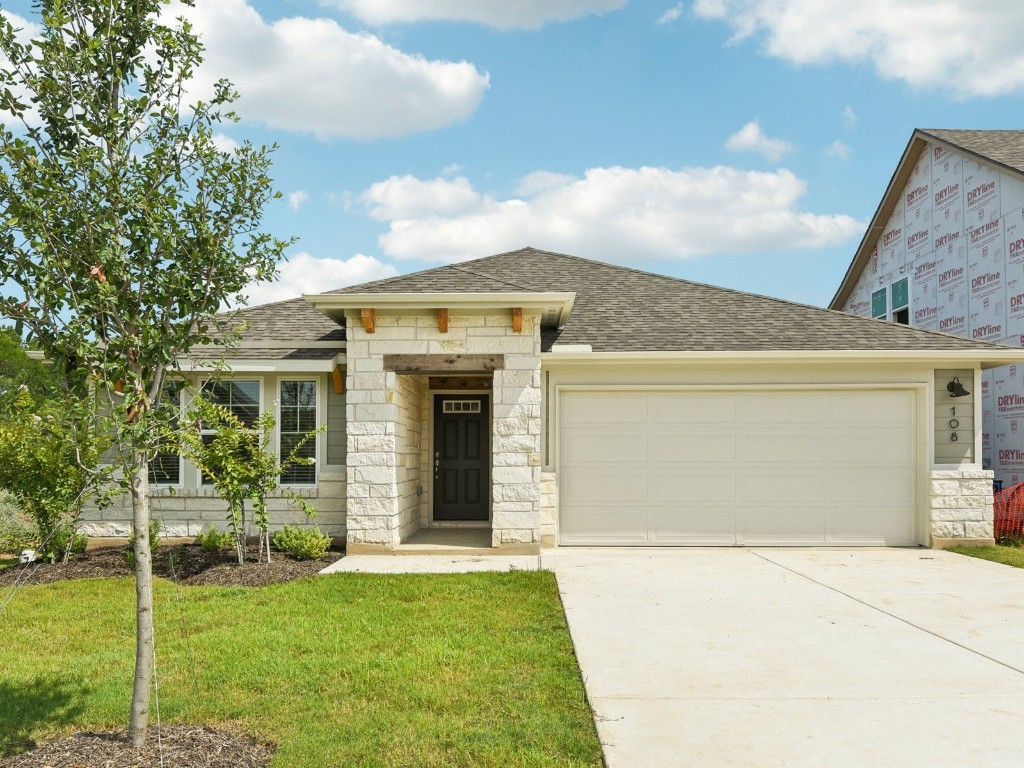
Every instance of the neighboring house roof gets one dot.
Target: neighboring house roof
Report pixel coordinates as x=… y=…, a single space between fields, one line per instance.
x=1004 y=149
x=619 y=309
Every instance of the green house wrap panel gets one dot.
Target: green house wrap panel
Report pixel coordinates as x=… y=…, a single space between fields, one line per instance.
x=878 y=303
x=901 y=293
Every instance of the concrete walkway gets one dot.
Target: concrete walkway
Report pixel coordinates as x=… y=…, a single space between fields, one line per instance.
x=433 y=563
x=791 y=658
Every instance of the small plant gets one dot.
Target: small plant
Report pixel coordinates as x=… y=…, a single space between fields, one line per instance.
x=154 y=541
x=1011 y=540
x=302 y=543
x=212 y=540
x=65 y=543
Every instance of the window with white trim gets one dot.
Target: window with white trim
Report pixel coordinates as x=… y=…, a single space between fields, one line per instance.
x=165 y=468
x=240 y=396
x=298 y=417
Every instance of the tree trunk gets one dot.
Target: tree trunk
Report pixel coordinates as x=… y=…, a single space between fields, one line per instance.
x=139 y=723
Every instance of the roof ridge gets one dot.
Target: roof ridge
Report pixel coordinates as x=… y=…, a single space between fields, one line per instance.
x=460 y=268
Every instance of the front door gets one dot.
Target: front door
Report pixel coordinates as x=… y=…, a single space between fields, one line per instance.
x=462 y=458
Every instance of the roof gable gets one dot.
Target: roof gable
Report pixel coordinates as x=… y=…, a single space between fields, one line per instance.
x=1003 y=149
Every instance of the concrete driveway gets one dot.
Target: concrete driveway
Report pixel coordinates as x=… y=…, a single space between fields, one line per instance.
x=792 y=658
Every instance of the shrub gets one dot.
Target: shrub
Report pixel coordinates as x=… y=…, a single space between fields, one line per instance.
x=213 y=540
x=154 y=541
x=302 y=543
x=67 y=540
x=16 y=530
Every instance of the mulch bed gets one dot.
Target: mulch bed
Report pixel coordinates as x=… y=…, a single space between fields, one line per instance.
x=182 y=563
x=181 y=746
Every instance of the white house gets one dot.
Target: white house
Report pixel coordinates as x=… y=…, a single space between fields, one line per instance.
x=533 y=399
x=945 y=251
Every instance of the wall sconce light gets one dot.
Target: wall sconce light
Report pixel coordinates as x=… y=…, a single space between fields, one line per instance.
x=956 y=389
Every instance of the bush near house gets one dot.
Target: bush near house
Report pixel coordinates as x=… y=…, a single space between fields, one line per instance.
x=16 y=531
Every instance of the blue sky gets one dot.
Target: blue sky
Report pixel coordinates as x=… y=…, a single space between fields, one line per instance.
x=743 y=143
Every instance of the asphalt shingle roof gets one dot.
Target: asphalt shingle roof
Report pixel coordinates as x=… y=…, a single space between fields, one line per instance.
x=619 y=309
x=1003 y=147
x=292 y=320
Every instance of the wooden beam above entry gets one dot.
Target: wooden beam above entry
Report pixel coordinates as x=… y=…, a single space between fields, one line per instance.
x=338 y=378
x=478 y=383
x=444 y=363
x=517 y=319
x=369 y=320
x=442 y=320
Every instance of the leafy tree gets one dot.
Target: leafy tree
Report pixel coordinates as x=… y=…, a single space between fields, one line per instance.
x=123 y=227
x=239 y=461
x=17 y=369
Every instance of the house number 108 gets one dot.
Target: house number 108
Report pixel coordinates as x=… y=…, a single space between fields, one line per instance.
x=954 y=423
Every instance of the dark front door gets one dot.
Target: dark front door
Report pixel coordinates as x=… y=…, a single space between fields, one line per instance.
x=462 y=458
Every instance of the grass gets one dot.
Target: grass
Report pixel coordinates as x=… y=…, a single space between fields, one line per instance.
x=998 y=554
x=344 y=670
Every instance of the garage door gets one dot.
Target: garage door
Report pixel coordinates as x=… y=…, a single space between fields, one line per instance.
x=822 y=467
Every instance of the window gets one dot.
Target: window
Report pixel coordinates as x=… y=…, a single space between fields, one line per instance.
x=901 y=301
x=242 y=398
x=879 y=304
x=298 y=418
x=165 y=468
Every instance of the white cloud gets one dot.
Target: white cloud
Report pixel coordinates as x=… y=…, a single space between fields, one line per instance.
x=451 y=169
x=849 y=116
x=539 y=181
x=224 y=143
x=505 y=14
x=407 y=197
x=838 y=149
x=297 y=199
x=967 y=47
x=750 y=138
x=619 y=214
x=671 y=15
x=303 y=273
x=312 y=76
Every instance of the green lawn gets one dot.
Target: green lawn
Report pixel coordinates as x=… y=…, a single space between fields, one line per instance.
x=1006 y=555
x=345 y=670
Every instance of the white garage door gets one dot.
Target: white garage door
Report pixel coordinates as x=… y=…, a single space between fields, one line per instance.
x=795 y=467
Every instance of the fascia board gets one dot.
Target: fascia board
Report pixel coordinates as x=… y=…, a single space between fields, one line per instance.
x=987 y=358
x=535 y=301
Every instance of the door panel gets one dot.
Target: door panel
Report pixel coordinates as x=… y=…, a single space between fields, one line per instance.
x=461 y=458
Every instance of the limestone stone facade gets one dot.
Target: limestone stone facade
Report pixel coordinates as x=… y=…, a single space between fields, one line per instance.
x=185 y=512
x=388 y=417
x=961 y=506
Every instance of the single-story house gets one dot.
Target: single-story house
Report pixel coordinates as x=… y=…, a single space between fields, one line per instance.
x=542 y=400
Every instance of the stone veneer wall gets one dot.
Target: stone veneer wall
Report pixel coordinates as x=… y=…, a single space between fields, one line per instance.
x=185 y=512
x=961 y=506
x=548 y=509
x=409 y=435
x=374 y=505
